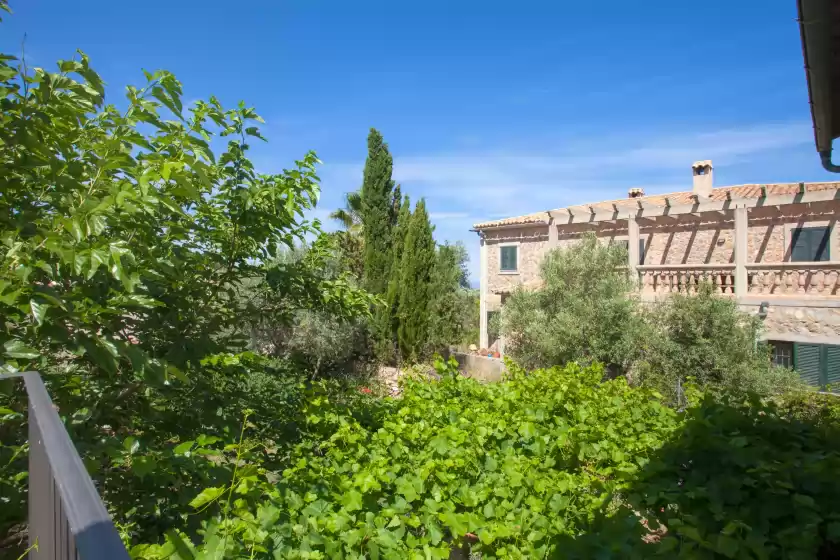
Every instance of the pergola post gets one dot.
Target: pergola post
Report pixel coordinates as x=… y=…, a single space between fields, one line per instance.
x=741 y=228
x=632 y=247
x=552 y=233
x=482 y=309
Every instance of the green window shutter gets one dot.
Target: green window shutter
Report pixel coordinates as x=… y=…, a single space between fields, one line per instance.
x=832 y=367
x=810 y=244
x=508 y=258
x=807 y=362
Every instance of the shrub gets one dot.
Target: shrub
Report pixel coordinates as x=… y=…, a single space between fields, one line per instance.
x=708 y=338
x=582 y=312
x=325 y=337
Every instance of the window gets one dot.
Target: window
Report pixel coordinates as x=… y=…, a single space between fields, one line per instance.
x=818 y=364
x=782 y=354
x=808 y=244
x=509 y=258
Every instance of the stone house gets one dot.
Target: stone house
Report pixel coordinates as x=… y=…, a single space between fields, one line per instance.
x=774 y=248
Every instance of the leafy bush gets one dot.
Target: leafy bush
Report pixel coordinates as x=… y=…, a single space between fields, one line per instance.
x=331 y=335
x=708 y=338
x=582 y=311
x=552 y=463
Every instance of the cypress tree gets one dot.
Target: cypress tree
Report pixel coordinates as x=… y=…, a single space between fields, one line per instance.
x=417 y=267
x=390 y=321
x=396 y=206
x=377 y=213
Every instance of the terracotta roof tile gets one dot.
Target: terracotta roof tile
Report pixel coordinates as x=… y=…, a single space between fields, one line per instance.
x=685 y=197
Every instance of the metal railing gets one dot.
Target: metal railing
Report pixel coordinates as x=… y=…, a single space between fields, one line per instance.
x=67 y=519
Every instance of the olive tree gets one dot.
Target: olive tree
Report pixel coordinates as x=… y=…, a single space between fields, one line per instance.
x=584 y=310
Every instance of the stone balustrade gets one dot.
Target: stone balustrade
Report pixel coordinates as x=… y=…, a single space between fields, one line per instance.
x=685 y=278
x=794 y=278
x=779 y=278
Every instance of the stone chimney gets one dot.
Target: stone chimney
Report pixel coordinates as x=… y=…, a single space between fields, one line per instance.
x=702 y=171
x=635 y=192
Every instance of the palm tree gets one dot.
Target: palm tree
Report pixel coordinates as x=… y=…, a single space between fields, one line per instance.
x=350 y=217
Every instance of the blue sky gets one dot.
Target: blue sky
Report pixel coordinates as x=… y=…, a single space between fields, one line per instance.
x=491 y=109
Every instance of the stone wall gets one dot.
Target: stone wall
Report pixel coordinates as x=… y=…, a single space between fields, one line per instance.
x=712 y=242
x=481 y=368
x=800 y=323
x=533 y=245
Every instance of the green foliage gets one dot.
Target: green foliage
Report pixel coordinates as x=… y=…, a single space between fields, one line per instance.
x=350 y=217
x=415 y=299
x=312 y=312
x=708 y=338
x=129 y=253
x=320 y=344
x=586 y=310
x=552 y=463
x=388 y=320
x=582 y=311
x=453 y=315
x=377 y=213
x=350 y=242
x=123 y=238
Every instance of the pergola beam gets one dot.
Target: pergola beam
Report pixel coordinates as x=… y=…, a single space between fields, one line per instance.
x=644 y=210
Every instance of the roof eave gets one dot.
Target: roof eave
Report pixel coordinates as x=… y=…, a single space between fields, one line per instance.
x=816 y=23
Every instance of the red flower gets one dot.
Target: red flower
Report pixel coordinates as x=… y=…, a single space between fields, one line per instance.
x=365 y=390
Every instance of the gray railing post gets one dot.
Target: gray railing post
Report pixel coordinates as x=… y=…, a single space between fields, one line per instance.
x=67 y=519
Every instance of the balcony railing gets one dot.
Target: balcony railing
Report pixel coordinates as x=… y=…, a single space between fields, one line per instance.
x=685 y=278
x=781 y=278
x=794 y=278
x=67 y=519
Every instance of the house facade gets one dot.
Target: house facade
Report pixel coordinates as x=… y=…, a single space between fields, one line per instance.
x=773 y=248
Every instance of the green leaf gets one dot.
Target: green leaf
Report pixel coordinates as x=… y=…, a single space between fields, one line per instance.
x=16 y=349
x=143 y=466
x=318 y=508
x=435 y=534
x=38 y=311
x=439 y=444
x=455 y=522
x=692 y=533
x=11 y=297
x=183 y=448
x=527 y=430
x=184 y=549
x=131 y=445
x=206 y=496
x=98 y=257
x=352 y=500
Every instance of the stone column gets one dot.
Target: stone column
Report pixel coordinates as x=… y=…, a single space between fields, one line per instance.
x=483 y=339
x=552 y=233
x=633 y=247
x=741 y=251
